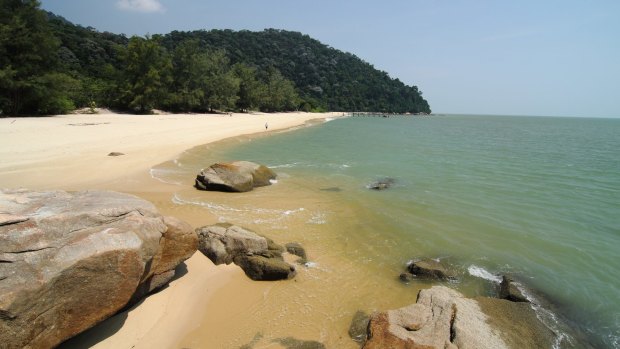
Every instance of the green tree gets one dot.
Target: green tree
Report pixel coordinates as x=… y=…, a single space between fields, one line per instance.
x=189 y=68
x=28 y=57
x=251 y=89
x=222 y=86
x=279 y=94
x=146 y=76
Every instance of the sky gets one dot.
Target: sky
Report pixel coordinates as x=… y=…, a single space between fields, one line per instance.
x=526 y=57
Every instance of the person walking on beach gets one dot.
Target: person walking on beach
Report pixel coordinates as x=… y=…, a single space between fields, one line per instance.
x=266 y=126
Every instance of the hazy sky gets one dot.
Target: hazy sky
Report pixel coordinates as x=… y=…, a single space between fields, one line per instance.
x=526 y=57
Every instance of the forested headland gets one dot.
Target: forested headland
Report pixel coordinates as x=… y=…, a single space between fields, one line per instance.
x=51 y=66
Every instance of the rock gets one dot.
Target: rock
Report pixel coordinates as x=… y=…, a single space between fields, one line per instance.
x=359 y=326
x=444 y=318
x=430 y=268
x=508 y=290
x=223 y=242
x=293 y=343
x=258 y=256
x=296 y=249
x=382 y=184
x=115 y=153
x=441 y=318
x=238 y=176
x=331 y=189
x=406 y=277
x=261 y=268
x=77 y=259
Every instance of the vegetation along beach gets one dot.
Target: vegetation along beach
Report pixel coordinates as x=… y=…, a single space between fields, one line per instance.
x=185 y=176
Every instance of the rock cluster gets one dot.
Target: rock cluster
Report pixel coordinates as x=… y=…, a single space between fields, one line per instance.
x=70 y=260
x=443 y=318
x=259 y=257
x=238 y=176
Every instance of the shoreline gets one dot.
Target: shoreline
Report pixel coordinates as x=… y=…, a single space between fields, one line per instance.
x=70 y=152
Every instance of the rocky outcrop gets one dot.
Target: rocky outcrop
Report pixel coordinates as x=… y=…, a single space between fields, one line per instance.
x=70 y=260
x=238 y=176
x=259 y=257
x=443 y=318
x=430 y=269
x=382 y=184
x=508 y=290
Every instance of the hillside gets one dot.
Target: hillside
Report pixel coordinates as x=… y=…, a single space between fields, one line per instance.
x=336 y=80
x=270 y=70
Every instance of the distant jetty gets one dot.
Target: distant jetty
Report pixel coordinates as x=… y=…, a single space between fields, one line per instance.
x=383 y=114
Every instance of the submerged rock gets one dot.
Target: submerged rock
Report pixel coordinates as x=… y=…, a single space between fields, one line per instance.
x=298 y=250
x=71 y=260
x=293 y=343
x=359 y=326
x=259 y=257
x=432 y=269
x=238 y=176
x=508 y=290
x=382 y=184
x=406 y=277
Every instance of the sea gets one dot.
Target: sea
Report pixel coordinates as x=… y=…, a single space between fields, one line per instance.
x=535 y=198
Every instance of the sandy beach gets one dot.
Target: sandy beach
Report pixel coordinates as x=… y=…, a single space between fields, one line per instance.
x=70 y=152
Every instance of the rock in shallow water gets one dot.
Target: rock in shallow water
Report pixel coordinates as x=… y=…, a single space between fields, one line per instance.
x=508 y=290
x=78 y=259
x=382 y=184
x=259 y=257
x=238 y=176
x=432 y=269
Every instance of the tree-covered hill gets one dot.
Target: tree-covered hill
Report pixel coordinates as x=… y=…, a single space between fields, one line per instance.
x=50 y=65
x=324 y=76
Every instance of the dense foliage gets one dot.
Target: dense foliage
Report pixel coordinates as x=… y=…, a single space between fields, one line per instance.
x=49 y=65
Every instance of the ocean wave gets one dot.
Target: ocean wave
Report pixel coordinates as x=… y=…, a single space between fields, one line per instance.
x=548 y=318
x=482 y=273
x=285 y=165
x=179 y=201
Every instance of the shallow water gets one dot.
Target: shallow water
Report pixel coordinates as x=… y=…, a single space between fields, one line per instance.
x=537 y=198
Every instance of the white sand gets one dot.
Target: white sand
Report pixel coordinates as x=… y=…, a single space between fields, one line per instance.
x=71 y=152
x=160 y=320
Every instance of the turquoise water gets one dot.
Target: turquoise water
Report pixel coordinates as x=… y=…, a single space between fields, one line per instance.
x=534 y=197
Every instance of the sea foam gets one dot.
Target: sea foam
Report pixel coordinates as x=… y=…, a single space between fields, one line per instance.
x=482 y=273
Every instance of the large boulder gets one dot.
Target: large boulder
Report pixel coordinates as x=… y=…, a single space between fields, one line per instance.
x=258 y=256
x=70 y=260
x=431 y=269
x=238 y=176
x=443 y=318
